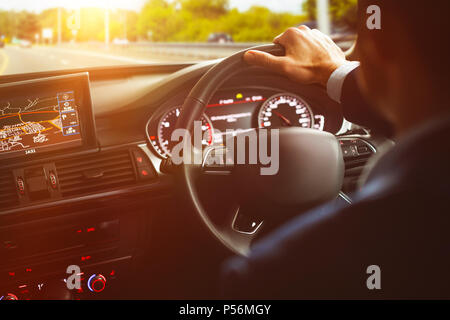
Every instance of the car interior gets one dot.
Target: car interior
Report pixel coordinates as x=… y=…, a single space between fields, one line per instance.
x=105 y=195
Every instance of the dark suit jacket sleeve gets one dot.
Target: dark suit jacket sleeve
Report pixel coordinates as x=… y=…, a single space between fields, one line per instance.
x=322 y=249
x=324 y=254
x=297 y=261
x=357 y=110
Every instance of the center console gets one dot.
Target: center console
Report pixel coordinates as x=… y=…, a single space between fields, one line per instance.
x=61 y=194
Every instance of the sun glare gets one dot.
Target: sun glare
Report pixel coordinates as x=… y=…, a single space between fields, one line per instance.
x=106 y=4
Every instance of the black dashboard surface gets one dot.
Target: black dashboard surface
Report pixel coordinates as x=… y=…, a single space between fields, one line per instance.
x=128 y=123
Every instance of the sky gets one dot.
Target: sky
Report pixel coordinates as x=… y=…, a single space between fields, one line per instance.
x=293 y=6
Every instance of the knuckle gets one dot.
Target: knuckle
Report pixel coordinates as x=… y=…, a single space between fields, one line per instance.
x=301 y=34
x=328 y=38
x=285 y=67
x=303 y=27
x=291 y=31
x=266 y=61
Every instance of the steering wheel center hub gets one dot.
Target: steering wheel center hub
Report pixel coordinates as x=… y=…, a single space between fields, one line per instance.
x=310 y=170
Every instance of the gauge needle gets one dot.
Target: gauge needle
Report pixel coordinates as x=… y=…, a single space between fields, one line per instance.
x=286 y=120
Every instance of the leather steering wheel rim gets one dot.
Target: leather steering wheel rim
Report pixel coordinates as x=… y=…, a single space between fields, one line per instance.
x=193 y=108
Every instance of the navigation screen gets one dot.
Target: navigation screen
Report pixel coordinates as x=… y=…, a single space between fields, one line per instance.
x=30 y=124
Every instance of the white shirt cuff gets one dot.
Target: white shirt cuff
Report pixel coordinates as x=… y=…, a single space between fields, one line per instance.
x=337 y=78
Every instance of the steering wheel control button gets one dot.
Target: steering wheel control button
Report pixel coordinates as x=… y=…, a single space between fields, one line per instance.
x=96 y=283
x=363 y=149
x=355 y=148
x=350 y=151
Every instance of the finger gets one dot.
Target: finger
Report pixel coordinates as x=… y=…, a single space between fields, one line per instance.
x=287 y=38
x=263 y=59
x=289 y=34
x=318 y=34
x=303 y=27
x=294 y=36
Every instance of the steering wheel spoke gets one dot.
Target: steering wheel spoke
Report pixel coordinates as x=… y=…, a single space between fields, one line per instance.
x=242 y=229
x=217 y=161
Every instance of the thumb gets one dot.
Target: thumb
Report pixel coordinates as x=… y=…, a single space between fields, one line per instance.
x=263 y=59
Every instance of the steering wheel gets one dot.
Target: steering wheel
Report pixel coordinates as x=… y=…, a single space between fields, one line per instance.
x=310 y=172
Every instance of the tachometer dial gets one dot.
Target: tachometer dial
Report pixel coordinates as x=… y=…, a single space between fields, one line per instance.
x=285 y=110
x=163 y=143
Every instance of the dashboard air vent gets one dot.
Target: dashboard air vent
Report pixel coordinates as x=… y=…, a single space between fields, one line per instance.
x=8 y=192
x=95 y=173
x=356 y=154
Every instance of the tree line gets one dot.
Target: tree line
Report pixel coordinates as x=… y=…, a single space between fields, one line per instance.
x=168 y=20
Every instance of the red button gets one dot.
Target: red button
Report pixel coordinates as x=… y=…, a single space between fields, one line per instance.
x=145 y=173
x=53 y=181
x=21 y=185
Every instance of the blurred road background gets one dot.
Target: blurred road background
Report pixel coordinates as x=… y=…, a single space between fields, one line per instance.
x=14 y=59
x=78 y=34
x=18 y=59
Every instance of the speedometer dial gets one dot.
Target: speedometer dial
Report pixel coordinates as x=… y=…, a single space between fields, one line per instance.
x=163 y=143
x=285 y=110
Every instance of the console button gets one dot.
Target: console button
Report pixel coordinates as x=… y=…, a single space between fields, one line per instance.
x=20 y=185
x=145 y=173
x=363 y=149
x=97 y=283
x=52 y=179
x=140 y=159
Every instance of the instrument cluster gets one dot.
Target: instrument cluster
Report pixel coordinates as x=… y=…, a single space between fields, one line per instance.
x=234 y=111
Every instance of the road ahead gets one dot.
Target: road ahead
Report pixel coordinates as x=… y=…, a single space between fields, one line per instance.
x=14 y=59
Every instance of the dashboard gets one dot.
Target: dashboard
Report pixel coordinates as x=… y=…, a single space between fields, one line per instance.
x=232 y=111
x=80 y=177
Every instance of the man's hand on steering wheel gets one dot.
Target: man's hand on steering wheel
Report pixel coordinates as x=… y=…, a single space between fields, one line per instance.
x=299 y=183
x=311 y=56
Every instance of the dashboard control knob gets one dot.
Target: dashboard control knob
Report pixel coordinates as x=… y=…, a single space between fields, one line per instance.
x=97 y=283
x=9 y=296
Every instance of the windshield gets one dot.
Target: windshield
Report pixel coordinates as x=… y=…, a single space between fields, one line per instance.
x=67 y=34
